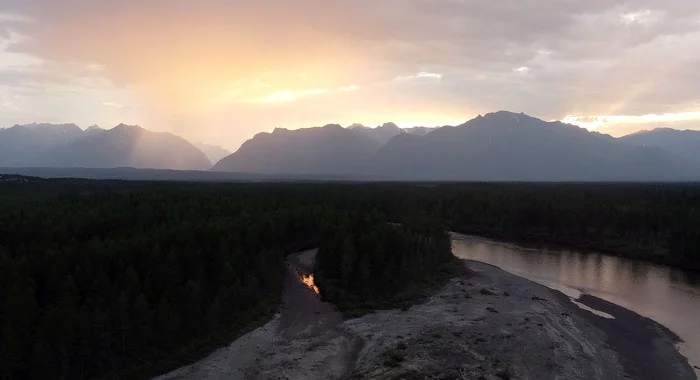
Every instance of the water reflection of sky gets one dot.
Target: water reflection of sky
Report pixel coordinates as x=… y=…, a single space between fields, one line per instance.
x=668 y=296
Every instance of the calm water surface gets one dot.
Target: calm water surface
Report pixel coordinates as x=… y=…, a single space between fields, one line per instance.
x=669 y=296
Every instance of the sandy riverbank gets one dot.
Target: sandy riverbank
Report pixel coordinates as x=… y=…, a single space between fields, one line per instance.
x=487 y=324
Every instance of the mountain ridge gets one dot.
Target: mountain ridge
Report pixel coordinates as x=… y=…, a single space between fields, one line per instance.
x=684 y=143
x=67 y=145
x=330 y=149
x=387 y=131
x=498 y=146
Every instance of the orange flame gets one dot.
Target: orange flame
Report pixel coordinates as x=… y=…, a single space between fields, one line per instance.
x=309 y=281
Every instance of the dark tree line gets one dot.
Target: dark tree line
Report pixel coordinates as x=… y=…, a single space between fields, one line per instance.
x=109 y=283
x=363 y=260
x=123 y=279
x=658 y=222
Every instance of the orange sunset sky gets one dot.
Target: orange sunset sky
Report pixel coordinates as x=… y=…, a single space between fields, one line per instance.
x=220 y=71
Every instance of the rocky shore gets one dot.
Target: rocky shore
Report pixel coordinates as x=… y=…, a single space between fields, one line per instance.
x=487 y=324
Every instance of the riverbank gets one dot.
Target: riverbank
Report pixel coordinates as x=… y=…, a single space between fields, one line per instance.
x=487 y=323
x=624 y=249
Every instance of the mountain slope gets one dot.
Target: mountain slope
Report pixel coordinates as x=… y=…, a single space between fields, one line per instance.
x=322 y=150
x=419 y=131
x=387 y=131
x=683 y=143
x=505 y=146
x=381 y=134
x=20 y=144
x=213 y=152
x=125 y=146
x=500 y=146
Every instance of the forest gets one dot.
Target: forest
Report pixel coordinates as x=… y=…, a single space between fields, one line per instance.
x=116 y=279
x=364 y=262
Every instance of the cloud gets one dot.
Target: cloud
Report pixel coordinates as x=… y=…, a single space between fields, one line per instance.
x=349 y=88
x=250 y=93
x=185 y=61
x=619 y=125
x=6 y=18
x=288 y=96
x=33 y=89
x=419 y=75
x=112 y=104
x=640 y=17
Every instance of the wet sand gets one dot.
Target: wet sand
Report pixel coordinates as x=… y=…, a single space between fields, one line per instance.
x=486 y=324
x=646 y=348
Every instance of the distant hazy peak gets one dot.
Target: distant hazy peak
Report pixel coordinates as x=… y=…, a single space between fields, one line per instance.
x=506 y=113
x=46 y=126
x=127 y=126
x=420 y=131
x=213 y=152
x=279 y=130
x=661 y=130
x=390 y=125
x=129 y=129
x=94 y=128
x=507 y=116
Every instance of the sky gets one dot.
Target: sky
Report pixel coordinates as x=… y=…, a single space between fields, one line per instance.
x=219 y=71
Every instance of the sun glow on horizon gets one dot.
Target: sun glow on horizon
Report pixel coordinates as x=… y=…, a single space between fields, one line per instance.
x=221 y=72
x=596 y=122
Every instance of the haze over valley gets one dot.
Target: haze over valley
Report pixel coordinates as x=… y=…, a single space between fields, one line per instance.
x=66 y=145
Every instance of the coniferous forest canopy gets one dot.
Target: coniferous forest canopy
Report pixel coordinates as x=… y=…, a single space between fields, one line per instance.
x=103 y=279
x=363 y=261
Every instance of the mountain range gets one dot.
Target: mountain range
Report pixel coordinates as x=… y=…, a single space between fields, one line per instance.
x=320 y=150
x=500 y=146
x=328 y=150
x=47 y=145
x=20 y=144
x=684 y=143
x=388 y=131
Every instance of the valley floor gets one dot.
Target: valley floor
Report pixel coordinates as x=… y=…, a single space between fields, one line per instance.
x=486 y=324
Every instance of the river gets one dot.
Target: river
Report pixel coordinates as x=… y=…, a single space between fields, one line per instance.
x=668 y=296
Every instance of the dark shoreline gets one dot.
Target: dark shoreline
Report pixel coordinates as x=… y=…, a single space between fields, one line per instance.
x=646 y=348
x=559 y=244
x=531 y=330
